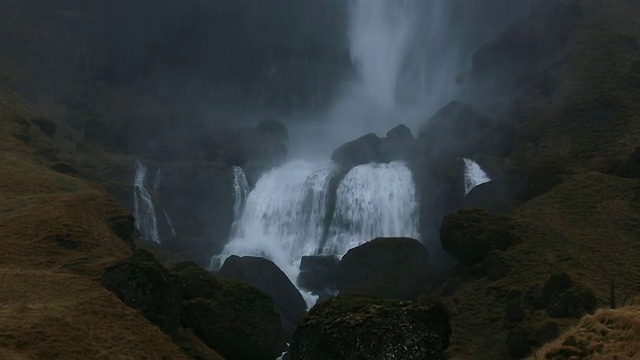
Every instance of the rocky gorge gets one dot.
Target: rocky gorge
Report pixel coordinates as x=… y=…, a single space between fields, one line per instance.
x=540 y=262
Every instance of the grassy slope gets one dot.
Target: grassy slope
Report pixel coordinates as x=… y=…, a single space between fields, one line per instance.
x=589 y=226
x=50 y=304
x=608 y=334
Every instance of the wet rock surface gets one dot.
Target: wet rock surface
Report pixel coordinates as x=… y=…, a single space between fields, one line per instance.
x=350 y=327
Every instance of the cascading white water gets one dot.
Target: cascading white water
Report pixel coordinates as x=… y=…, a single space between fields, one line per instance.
x=144 y=209
x=285 y=215
x=473 y=175
x=373 y=200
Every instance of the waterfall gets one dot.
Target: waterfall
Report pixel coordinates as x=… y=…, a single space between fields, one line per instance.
x=152 y=220
x=285 y=214
x=473 y=175
x=240 y=191
x=144 y=209
x=380 y=32
x=373 y=200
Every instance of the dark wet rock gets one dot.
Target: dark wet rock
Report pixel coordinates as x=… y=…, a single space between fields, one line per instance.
x=514 y=311
x=363 y=150
x=631 y=168
x=198 y=199
x=142 y=283
x=499 y=196
x=458 y=130
x=518 y=344
x=256 y=150
x=350 y=328
x=48 y=127
x=440 y=188
x=317 y=274
x=469 y=235
x=394 y=268
x=266 y=276
x=539 y=298
x=246 y=329
x=572 y=303
x=232 y=317
x=63 y=168
x=494 y=266
x=398 y=145
x=196 y=281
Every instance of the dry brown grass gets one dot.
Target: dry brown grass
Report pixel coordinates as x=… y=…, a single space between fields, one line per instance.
x=56 y=241
x=606 y=335
x=587 y=227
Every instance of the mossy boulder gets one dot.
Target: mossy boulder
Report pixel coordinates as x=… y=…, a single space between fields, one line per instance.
x=469 y=235
x=268 y=278
x=232 y=317
x=394 y=268
x=358 y=328
x=142 y=283
x=363 y=150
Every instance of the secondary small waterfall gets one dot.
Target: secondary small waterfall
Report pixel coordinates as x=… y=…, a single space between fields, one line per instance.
x=473 y=175
x=144 y=209
x=286 y=213
x=240 y=192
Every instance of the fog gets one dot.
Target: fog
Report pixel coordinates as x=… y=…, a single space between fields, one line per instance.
x=332 y=70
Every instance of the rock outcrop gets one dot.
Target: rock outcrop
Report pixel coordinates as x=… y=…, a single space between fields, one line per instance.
x=350 y=327
x=392 y=268
x=266 y=276
x=469 y=235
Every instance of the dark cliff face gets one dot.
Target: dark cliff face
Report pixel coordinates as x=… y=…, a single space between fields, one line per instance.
x=278 y=55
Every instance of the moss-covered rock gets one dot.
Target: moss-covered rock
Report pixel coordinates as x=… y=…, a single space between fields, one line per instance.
x=350 y=328
x=143 y=283
x=469 y=235
x=394 y=268
x=268 y=278
x=232 y=317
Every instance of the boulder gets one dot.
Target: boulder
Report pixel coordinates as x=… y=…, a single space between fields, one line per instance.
x=266 y=276
x=233 y=318
x=142 y=283
x=256 y=150
x=398 y=145
x=317 y=274
x=363 y=150
x=500 y=196
x=470 y=235
x=350 y=328
x=394 y=268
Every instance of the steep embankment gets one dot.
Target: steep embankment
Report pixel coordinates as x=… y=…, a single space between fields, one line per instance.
x=573 y=71
x=58 y=234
